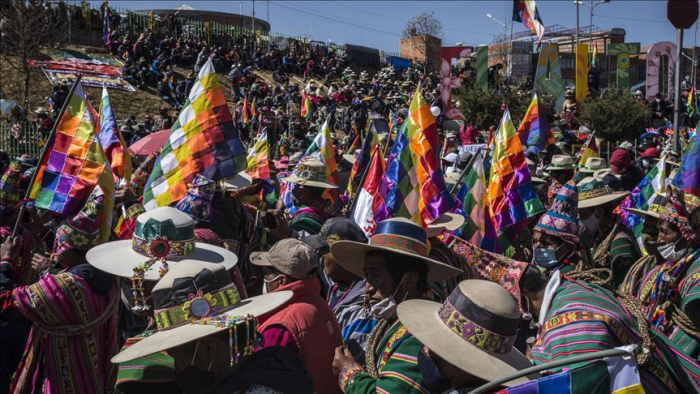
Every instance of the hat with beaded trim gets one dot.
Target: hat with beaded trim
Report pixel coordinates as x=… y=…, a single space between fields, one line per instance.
x=195 y=300
x=164 y=235
x=473 y=329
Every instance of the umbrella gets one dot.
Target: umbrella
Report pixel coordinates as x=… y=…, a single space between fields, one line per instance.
x=648 y=134
x=150 y=143
x=7 y=105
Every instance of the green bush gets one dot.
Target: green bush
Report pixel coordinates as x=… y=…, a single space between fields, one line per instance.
x=615 y=117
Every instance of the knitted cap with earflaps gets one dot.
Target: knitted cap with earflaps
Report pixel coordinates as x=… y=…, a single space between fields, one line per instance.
x=562 y=218
x=140 y=176
x=9 y=185
x=81 y=231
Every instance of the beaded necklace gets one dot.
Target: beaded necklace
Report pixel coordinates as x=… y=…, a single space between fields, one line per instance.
x=665 y=290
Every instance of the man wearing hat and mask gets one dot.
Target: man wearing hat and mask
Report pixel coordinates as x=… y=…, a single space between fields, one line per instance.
x=621 y=164
x=308 y=187
x=397 y=268
x=560 y=171
x=306 y=324
x=612 y=244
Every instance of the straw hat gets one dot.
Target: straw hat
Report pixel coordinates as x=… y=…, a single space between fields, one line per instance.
x=398 y=236
x=594 y=193
x=560 y=163
x=446 y=222
x=593 y=164
x=195 y=300
x=163 y=235
x=236 y=182
x=310 y=172
x=474 y=329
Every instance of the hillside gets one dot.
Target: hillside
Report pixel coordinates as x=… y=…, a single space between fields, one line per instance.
x=140 y=103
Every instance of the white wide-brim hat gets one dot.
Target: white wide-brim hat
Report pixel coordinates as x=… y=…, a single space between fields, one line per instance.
x=174 y=337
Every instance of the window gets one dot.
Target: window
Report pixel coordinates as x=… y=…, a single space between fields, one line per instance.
x=568 y=63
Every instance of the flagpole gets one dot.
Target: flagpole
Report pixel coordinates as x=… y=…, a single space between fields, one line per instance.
x=362 y=182
x=465 y=171
x=44 y=151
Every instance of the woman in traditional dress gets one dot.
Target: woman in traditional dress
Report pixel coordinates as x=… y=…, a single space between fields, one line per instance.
x=396 y=268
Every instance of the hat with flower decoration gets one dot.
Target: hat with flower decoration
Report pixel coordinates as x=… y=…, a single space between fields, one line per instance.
x=195 y=300
x=561 y=220
x=82 y=231
x=197 y=201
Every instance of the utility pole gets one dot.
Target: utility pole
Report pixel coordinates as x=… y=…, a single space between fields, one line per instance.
x=677 y=98
x=253 y=21
x=577 y=6
x=695 y=43
x=590 y=35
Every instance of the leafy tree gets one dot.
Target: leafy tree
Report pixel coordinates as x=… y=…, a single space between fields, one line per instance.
x=425 y=23
x=616 y=116
x=484 y=109
x=27 y=28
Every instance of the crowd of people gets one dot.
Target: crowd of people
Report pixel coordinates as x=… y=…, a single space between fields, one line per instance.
x=235 y=289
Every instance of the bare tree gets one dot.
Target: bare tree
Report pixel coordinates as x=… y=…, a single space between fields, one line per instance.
x=27 y=27
x=425 y=23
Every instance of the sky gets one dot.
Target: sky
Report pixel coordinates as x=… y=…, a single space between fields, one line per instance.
x=378 y=24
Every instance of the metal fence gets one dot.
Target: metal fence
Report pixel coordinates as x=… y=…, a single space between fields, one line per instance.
x=84 y=16
x=20 y=138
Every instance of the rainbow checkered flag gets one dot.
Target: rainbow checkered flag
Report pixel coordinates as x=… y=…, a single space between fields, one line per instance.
x=204 y=140
x=472 y=197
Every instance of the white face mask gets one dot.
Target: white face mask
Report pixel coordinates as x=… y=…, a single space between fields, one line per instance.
x=265 y=282
x=592 y=223
x=668 y=252
x=645 y=162
x=386 y=308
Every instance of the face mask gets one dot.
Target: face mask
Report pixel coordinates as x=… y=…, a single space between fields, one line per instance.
x=545 y=257
x=592 y=223
x=645 y=162
x=668 y=252
x=386 y=308
x=432 y=378
x=265 y=282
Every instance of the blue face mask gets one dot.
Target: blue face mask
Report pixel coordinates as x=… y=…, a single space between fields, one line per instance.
x=545 y=257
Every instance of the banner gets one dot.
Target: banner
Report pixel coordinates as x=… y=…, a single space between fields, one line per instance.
x=623 y=52
x=92 y=80
x=472 y=148
x=482 y=68
x=548 y=76
x=581 y=72
x=78 y=66
x=654 y=54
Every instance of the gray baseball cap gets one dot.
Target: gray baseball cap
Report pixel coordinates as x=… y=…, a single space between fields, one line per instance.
x=289 y=256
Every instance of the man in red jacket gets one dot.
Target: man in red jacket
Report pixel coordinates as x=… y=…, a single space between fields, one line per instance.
x=305 y=324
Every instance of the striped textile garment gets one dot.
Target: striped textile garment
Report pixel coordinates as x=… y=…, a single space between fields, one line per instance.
x=68 y=364
x=397 y=364
x=584 y=318
x=155 y=371
x=622 y=253
x=687 y=299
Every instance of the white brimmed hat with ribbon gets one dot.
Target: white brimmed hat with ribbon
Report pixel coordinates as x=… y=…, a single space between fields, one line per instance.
x=196 y=300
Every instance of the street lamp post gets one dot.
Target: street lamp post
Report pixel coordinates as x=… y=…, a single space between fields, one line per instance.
x=505 y=36
x=591 y=5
